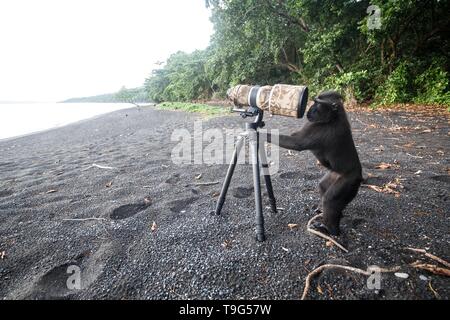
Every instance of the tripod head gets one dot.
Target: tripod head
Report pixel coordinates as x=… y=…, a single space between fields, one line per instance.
x=251 y=112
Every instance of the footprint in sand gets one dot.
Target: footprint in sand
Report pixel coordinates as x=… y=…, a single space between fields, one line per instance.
x=444 y=178
x=173 y=179
x=53 y=284
x=357 y=221
x=241 y=192
x=7 y=165
x=299 y=175
x=180 y=205
x=291 y=175
x=5 y=193
x=57 y=284
x=378 y=181
x=128 y=210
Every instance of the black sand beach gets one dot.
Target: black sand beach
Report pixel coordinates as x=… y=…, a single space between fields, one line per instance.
x=170 y=246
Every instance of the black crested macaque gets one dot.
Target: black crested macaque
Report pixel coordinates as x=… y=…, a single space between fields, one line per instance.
x=328 y=135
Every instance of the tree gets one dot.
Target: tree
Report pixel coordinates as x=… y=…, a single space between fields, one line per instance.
x=132 y=96
x=324 y=44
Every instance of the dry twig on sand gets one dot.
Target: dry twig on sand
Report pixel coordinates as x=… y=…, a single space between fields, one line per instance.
x=337 y=266
x=103 y=167
x=436 y=294
x=322 y=235
x=206 y=183
x=431 y=256
x=431 y=267
x=85 y=219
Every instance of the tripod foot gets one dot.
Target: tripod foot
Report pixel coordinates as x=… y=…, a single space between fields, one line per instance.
x=273 y=207
x=260 y=237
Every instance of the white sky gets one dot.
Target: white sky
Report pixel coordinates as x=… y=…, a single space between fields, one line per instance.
x=51 y=50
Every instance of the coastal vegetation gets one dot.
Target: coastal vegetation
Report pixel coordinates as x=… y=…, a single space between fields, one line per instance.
x=193 y=107
x=124 y=95
x=393 y=52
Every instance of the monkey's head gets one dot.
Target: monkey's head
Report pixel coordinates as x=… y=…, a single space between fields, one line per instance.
x=326 y=107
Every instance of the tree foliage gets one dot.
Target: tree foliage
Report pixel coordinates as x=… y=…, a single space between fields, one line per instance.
x=322 y=43
x=133 y=95
x=183 y=78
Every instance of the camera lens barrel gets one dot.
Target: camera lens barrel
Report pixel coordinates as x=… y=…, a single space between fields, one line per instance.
x=302 y=102
x=252 y=97
x=280 y=99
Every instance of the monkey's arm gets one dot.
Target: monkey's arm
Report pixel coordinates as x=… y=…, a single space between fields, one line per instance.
x=294 y=142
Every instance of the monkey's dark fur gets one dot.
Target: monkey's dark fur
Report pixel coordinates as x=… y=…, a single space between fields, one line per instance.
x=328 y=135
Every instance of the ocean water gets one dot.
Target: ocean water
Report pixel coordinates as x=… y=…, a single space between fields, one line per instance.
x=19 y=119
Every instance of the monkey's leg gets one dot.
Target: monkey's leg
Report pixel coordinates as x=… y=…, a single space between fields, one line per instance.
x=335 y=199
x=327 y=180
x=332 y=213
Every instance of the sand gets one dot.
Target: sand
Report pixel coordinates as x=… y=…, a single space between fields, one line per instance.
x=142 y=229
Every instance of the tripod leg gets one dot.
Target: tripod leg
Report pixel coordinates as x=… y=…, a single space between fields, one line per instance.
x=253 y=141
x=267 y=180
x=226 y=184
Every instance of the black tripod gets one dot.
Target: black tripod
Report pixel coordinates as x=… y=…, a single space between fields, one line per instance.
x=258 y=157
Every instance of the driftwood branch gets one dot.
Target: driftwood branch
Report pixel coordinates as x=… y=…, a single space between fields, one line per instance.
x=337 y=266
x=322 y=235
x=418 y=265
x=103 y=167
x=206 y=183
x=431 y=268
x=431 y=256
x=86 y=219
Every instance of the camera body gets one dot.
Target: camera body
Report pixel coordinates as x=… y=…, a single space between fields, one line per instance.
x=280 y=99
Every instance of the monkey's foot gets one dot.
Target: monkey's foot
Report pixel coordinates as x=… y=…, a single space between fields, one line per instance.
x=318 y=210
x=320 y=227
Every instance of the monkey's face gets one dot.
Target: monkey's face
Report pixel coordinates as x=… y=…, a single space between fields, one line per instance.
x=320 y=113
